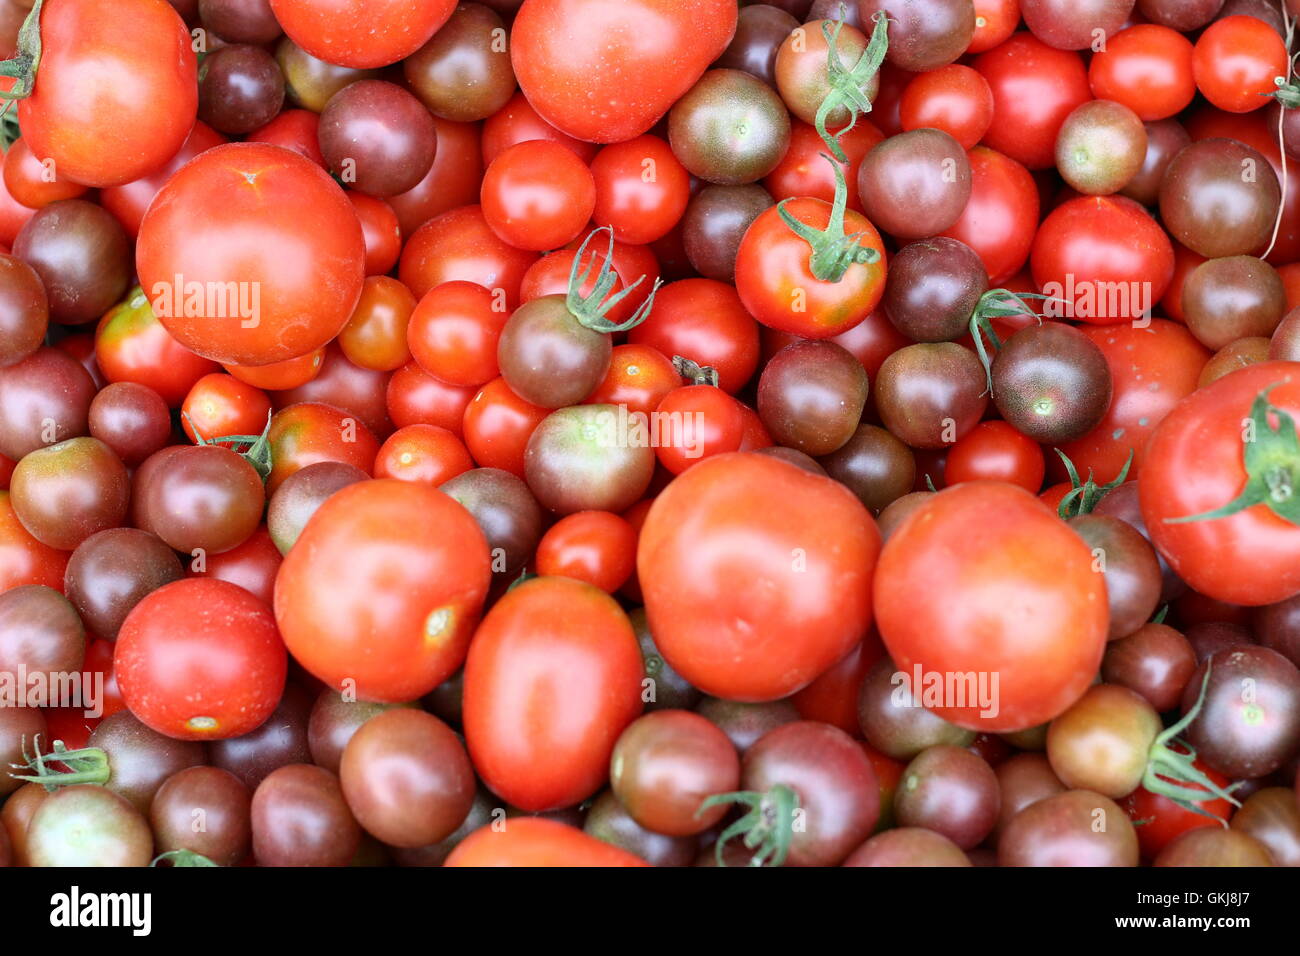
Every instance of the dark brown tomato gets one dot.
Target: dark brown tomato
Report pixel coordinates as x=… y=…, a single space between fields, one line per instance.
x=310 y=82
x=894 y=722
x=746 y=724
x=1214 y=846
x=1051 y=382
x=141 y=759
x=1272 y=816
x=574 y=463
x=111 y=571
x=24 y=310
x=811 y=396
x=299 y=495
x=332 y=723
x=664 y=687
x=729 y=128
x=1181 y=15
x=1207 y=638
x=1156 y=661
x=66 y=492
x=923 y=34
x=715 y=221
x=548 y=357
x=205 y=810
x=1165 y=138
x=377 y=137
x=802 y=75
x=1074 y=828
x=1232 y=298
x=1277 y=626
x=240 y=21
x=82 y=255
x=281 y=740
x=1074 y=24
x=463 y=72
x=40 y=633
x=45 y=398
x=915 y=184
x=484 y=810
x=506 y=512
x=131 y=419
x=874 y=465
x=760 y=31
x=19 y=729
x=610 y=821
x=241 y=88
x=951 y=791
x=934 y=286
x=1245 y=190
x=1122 y=502
x=202 y=497
x=1024 y=778
x=299 y=818
x=1128 y=562
x=930 y=394
x=908 y=846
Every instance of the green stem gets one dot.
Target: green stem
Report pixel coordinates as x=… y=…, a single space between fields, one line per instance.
x=848 y=83
x=23 y=65
x=832 y=251
x=767 y=827
x=591 y=309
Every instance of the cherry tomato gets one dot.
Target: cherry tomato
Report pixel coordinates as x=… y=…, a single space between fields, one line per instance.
x=1001 y=215
x=953 y=98
x=1148 y=68
x=413 y=396
x=381 y=230
x=538 y=195
x=597 y=547
x=994 y=451
x=459 y=245
x=423 y=453
x=308 y=432
x=131 y=345
x=641 y=189
x=454 y=330
x=703 y=320
x=696 y=422
x=220 y=405
x=497 y=426
x=536 y=841
x=1235 y=62
x=361 y=33
x=639 y=377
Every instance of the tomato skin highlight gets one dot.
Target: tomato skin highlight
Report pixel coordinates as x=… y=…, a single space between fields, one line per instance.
x=382 y=590
x=983 y=578
x=756 y=575
x=553 y=676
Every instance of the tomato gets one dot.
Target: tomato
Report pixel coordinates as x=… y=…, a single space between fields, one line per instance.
x=116 y=89
x=536 y=841
x=639 y=377
x=804 y=172
x=497 y=426
x=833 y=697
x=953 y=98
x=291 y=373
x=696 y=422
x=219 y=405
x=308 y=432
x=1001 y=215
x=1152 y=369
x=1235 y=62
x=381 y=592
x=251 y=565
x=459 y=245
x=131 y=345
x=1196 y=464
x=518 y=122
x=1148 y=68
x=423 y=453
x=375 y=336
x=34 y=182
x=756 y=575
x=1162 y=819
x=454 y=330
x=553 y=676
x=381 y=231
x=703 y=320
x=452 y=181
x=598 y=547
x=251 y=255
x=642 y=55
x=777 y=284
x=99 y=666
x=538 y=195
x=361 y=33
x=414 y=396
x=995 y=20
x=1035 y=87
x=994 y=451
x=129 y=201
x=983 y=580
x=297 y=130
x=641 y=189
x=23 y=559
x=200 y=659
x=1104 y=257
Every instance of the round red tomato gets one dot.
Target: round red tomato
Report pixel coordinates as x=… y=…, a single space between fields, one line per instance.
x=381 y=592
x=361 y=33
x=803 y=171
x=553 y=676
x=1158 y=819
x=200 y=659
x=423 y=453
x=995 y=602
x=1235 y=62
x=1001 y=215
x=454 y=330
x=536 y=841
x=641 y=55
x=220 y=405
x=131 y=345
x=703 y=320
x=116 y=89
x=251 y=255
x=995 y=451
x=641 y=189
x=953 y=98
x=1197 y=465
x=1148 y=68
x=307 y=432
x=414 y=396
x=538 y=195
x=756 y=575
x=23 y=559
x=459 y=245
x=497 y=426
x=598 y=547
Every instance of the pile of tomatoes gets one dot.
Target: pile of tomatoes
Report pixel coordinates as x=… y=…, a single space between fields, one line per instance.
x=611 y=432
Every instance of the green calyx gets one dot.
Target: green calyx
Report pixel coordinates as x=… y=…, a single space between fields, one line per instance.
x=86 y=765
x=1172 y=772
x=591 y=309
x=998 y=304
x=767 y=827
x=1272 y=460
x=183 y=858
x=847 y=82
x=694 y=372
x=1083 y=496
x=22 y=67
x=1287 y=93
x=832 y=251
x=258 y=453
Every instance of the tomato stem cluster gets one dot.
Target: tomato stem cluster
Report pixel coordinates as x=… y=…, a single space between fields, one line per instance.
x=832 y=251
x=694 y=372
x=767 y=827
x=591 y=310
x=22 y=66
x=847 y=83
x=1083 y=496
x=258 y=453
x=86 y=765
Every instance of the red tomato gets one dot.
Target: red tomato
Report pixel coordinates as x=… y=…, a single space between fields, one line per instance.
x=220 y=405
x=116 y=89
x=1105 y=257
x=549 y=275
x=99 y=666
x=756 y=575
x=696 y=422
x=297 y=130
x=1195 y=464
x=454 y=330
x=1001 y=215
x=1035 y=87
x=361 y=33
x=380 y=230
x=518 y=122
x=358 y=392
x=538 y=195
x=983 y=580
x=703 y=320
x=1235 y=62
x=598 y=547
x=251 y=255
x=497 y=426
x=34 y=182
x=536 y=841
x=414 y=396
x=70 y=725
x=13 y=215
x=994 y=451
x=1158 y=819
x=308 y=432
x=639 y=377
x=131 y=345
x=251 y=565
x=200 y=659
x=641 y=189
x=642 y=55
x=804 y=172
x=452 y=181
x=995 y=20
x=775 y=278
x=953 y=98
x=553 y=676
x=459 y=245
x=23 y=559
x=1152 y=369
x=383 y=589
x=1148 y=68
x=278 y=376
x=833 y=697
x=129 y=201
x=423 y=453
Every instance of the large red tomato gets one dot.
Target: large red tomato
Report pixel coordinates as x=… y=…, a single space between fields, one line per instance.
x=553 y=676
x=381 y=592
x=116 y=89
x=1227 y=457
x=361 y=33
x=641 y=55
x=756 y=575
x=997 y=603
x=251 y=255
